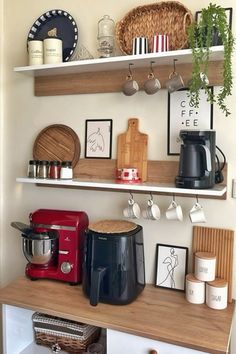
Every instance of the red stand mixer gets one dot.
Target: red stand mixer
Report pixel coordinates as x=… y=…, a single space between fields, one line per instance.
x=53 y=244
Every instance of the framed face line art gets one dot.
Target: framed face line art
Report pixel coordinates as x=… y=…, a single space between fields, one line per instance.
x=171 y=266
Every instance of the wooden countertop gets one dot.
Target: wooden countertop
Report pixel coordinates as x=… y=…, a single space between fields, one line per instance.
x=159 y=314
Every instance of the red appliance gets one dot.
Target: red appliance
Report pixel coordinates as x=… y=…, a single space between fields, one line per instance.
x=66 y=265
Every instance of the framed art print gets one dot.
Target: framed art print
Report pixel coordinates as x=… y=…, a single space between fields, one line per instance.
x=229 y=15
x=98 y=138
x=171 y=266
x=182 y=116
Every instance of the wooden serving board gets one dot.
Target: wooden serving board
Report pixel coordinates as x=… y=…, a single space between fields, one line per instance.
x=57 y=142
x=132 y=149
x=220 y=242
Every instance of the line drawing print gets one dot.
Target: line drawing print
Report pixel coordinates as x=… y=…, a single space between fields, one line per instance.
x=96 y=141
x=172 y=263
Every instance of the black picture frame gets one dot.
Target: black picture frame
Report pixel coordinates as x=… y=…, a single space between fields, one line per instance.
x=182 y=116
x=98 y=138
x=229 y=14
x=171 y=266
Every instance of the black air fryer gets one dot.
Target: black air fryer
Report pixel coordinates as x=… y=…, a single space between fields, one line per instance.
x=113 y=270
x=197 y=159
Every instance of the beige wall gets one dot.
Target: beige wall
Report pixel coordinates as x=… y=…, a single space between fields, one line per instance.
x=25 y=115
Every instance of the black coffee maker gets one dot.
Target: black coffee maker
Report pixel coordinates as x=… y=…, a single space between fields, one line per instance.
x=197 y=159
x=113 y=269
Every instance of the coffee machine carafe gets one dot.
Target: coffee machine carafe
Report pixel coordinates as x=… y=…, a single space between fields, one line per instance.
x=197 y=159
x=53 y=244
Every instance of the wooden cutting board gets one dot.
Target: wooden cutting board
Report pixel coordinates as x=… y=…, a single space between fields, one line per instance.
x=57 y=142
x=220 y=242
x=132 y=149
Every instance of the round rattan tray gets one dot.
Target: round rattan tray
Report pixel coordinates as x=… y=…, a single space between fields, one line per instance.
x=166 y=17
x=57 y=142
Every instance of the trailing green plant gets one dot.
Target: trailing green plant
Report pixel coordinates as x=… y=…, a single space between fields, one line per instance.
x=213 y=22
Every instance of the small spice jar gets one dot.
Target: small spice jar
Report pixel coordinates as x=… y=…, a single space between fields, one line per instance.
x=195 y=290
x=54 y=169
x=205 y=266
x=216 y=294
x=43 y=169
x=66 y=170
x=32 y=169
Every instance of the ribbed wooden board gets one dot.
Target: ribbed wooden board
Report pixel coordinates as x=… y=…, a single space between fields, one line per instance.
x=57 y=142
x=132 y=149
x=220 y=242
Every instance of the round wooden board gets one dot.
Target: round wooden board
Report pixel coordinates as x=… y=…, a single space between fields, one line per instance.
x=57 y=142
x=112 y=226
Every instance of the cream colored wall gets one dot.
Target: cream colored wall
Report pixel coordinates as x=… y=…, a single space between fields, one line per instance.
x=25 y=116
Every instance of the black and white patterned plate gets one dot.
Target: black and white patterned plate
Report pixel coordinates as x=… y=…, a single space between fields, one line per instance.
x=56 y=23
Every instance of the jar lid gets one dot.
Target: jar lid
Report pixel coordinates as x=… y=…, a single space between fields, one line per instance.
x=66 y=164
x=205 y=255
x=43 y=162
x=32 y=162
x=54 y=163
x=192 y=278
x=218 y=283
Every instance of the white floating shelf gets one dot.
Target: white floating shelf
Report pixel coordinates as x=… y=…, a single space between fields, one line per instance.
x=117 y=63
x=217 y=191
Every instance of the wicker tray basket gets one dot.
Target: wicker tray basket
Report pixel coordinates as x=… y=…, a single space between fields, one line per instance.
x=58 y=333
x=167 y=17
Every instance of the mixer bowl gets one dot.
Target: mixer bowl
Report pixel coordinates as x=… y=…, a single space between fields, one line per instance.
x=39 y=251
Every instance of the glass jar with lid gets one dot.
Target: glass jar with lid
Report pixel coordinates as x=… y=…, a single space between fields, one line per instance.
x=66 y=170
x=106 y=29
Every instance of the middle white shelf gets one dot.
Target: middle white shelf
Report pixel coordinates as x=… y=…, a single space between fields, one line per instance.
x=217 y=191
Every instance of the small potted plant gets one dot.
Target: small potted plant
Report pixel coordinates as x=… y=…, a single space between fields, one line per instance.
x=201 y=35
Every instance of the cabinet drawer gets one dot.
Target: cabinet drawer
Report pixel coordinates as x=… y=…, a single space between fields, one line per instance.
x=119 y=342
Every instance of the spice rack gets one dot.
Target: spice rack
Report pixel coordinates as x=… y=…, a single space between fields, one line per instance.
x=108 y=74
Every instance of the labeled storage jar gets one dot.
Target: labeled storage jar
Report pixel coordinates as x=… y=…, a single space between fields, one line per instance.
x=195 y=290
x=35 y=52
x=205 y=266
x=52 y=49
x=66 y=170
x=216 y=294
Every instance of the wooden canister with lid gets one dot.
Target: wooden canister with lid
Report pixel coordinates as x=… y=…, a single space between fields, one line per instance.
x=205 y=266
x=216 y=294
x=195 y=290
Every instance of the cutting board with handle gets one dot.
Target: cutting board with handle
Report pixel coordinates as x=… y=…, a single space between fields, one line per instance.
x=132 y=149
x=220 y=242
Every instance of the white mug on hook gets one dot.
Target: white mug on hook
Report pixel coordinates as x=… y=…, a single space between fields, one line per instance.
x=174 y=211
x=132 y=211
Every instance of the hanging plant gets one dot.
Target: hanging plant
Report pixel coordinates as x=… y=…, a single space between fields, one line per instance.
x=201 y=35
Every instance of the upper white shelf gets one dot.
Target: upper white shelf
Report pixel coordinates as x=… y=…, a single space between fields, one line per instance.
x=117 y=63
x=217 y=191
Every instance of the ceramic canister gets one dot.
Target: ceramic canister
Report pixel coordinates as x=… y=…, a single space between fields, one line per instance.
x=52 y=49
x=195 y=290
x=205 y=265
x=35 y=50
x=216 y=294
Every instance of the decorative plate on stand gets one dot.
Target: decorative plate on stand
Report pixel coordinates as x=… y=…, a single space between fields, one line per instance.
x=60 y=24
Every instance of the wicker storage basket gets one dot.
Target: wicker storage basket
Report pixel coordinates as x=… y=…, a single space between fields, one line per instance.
x=167 y=17
x=73 y=337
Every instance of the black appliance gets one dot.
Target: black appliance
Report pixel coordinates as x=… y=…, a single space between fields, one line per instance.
x=197 y=159
x=113 y=269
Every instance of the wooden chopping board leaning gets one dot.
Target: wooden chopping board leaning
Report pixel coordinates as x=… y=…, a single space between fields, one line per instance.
x=132 y=149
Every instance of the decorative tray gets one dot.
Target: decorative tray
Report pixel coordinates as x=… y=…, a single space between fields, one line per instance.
x=56 y=23
x=167 y=17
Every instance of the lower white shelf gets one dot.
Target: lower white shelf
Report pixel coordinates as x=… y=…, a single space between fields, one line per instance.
x=217 y=191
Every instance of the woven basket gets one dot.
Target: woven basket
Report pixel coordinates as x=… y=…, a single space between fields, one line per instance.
x=167 y=17
x=71 y=336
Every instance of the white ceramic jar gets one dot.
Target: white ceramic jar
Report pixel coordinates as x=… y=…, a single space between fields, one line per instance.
x=195 y=290
x=52 y=48
x=35 y=51
x=216 y=294
x=205 y=266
